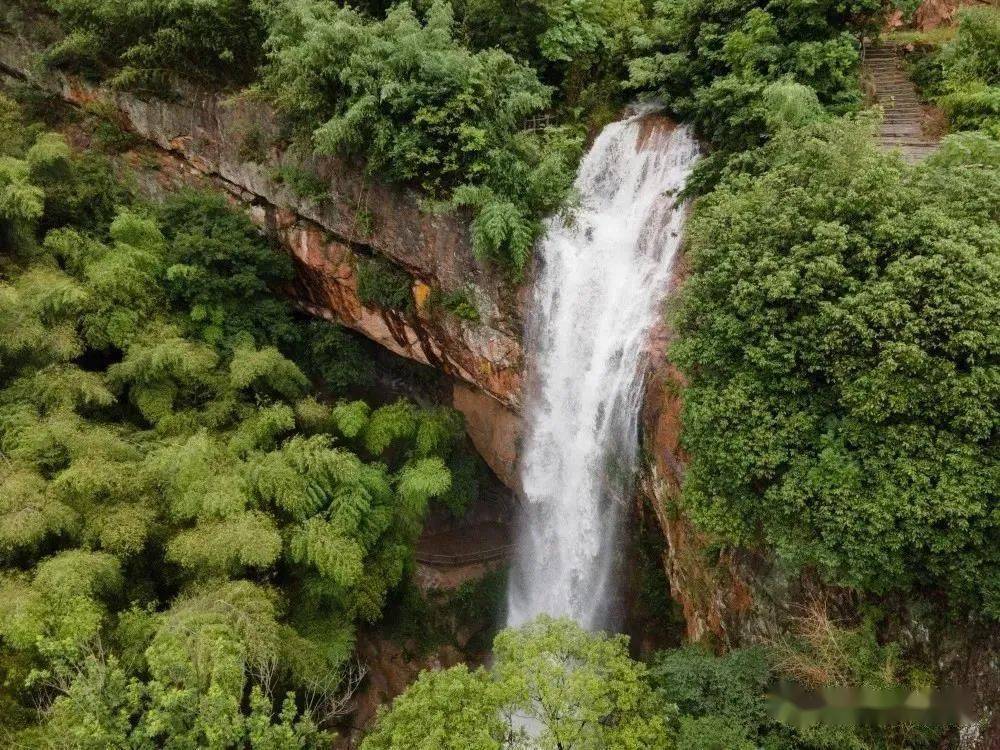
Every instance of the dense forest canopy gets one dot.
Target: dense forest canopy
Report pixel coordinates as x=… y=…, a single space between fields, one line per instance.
x=839 y=332
x=198 y=511
x=185 y=518
x=553 y=685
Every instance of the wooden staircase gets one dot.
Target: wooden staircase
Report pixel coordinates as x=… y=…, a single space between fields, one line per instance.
x=896 y=94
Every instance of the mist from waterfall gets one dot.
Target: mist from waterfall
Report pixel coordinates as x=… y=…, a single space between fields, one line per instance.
x=603 y=274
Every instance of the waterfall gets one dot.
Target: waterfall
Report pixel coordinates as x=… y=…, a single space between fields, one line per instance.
x=603 y=273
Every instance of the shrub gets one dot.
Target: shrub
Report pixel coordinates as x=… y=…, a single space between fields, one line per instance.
x=160 y=449
x=581 y=47
x=711 y=62
x=963 y=76
x=572 y=688
x=302 y=182
x=334 y=355
x=457 y=302
x=224 y=271
x=383 y=284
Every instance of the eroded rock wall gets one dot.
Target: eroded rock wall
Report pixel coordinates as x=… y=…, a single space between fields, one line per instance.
x=237 y=143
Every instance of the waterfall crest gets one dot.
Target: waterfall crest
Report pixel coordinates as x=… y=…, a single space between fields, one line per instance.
x=602 y=277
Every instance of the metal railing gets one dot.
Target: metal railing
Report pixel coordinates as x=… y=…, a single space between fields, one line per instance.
x=468 y=558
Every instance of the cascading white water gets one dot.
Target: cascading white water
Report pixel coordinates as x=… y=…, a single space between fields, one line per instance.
x=602 y=278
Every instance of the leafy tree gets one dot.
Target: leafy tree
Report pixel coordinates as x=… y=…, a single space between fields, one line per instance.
x=722 y=699
x=453 y=709
x=963 y=76
x=552 y=685
x=712 y=62
x=579 y=47
x=384 y=284
x=220 y=267
x=145 y=44
x=423 y=109
x=837 y=334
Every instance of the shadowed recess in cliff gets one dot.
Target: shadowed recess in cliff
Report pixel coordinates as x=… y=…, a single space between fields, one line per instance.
x=603 y=274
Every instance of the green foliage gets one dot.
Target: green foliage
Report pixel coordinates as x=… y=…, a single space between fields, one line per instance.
x=382 y=284
x=454 y=709
x=459 y=303
x=222 y=269
x=80 y=190
x=963 y=76
x=572 y=688
x=427 y=620
x=712 y=63
x=837 y=336
x=721 y=700
x=108 y=128
x=581 y=47
x=333 y=355
x=700 y=684
x=12 y=130
x=21 y=203
x=165 y=464
x=303 y=183
x=147 y=44
x=420 y=108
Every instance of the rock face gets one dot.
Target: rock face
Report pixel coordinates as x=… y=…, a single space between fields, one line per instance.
x=236 y=143
x=206 y=139
x=934 y=13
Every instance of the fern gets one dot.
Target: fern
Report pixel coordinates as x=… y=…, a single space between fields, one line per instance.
x=246 y=540
x=388 y=424
x=351 y=417
x=319 y=544
x=421 y=480
x=348 y=508
x=276 y=482
x=437 y=431
x=265 y=370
